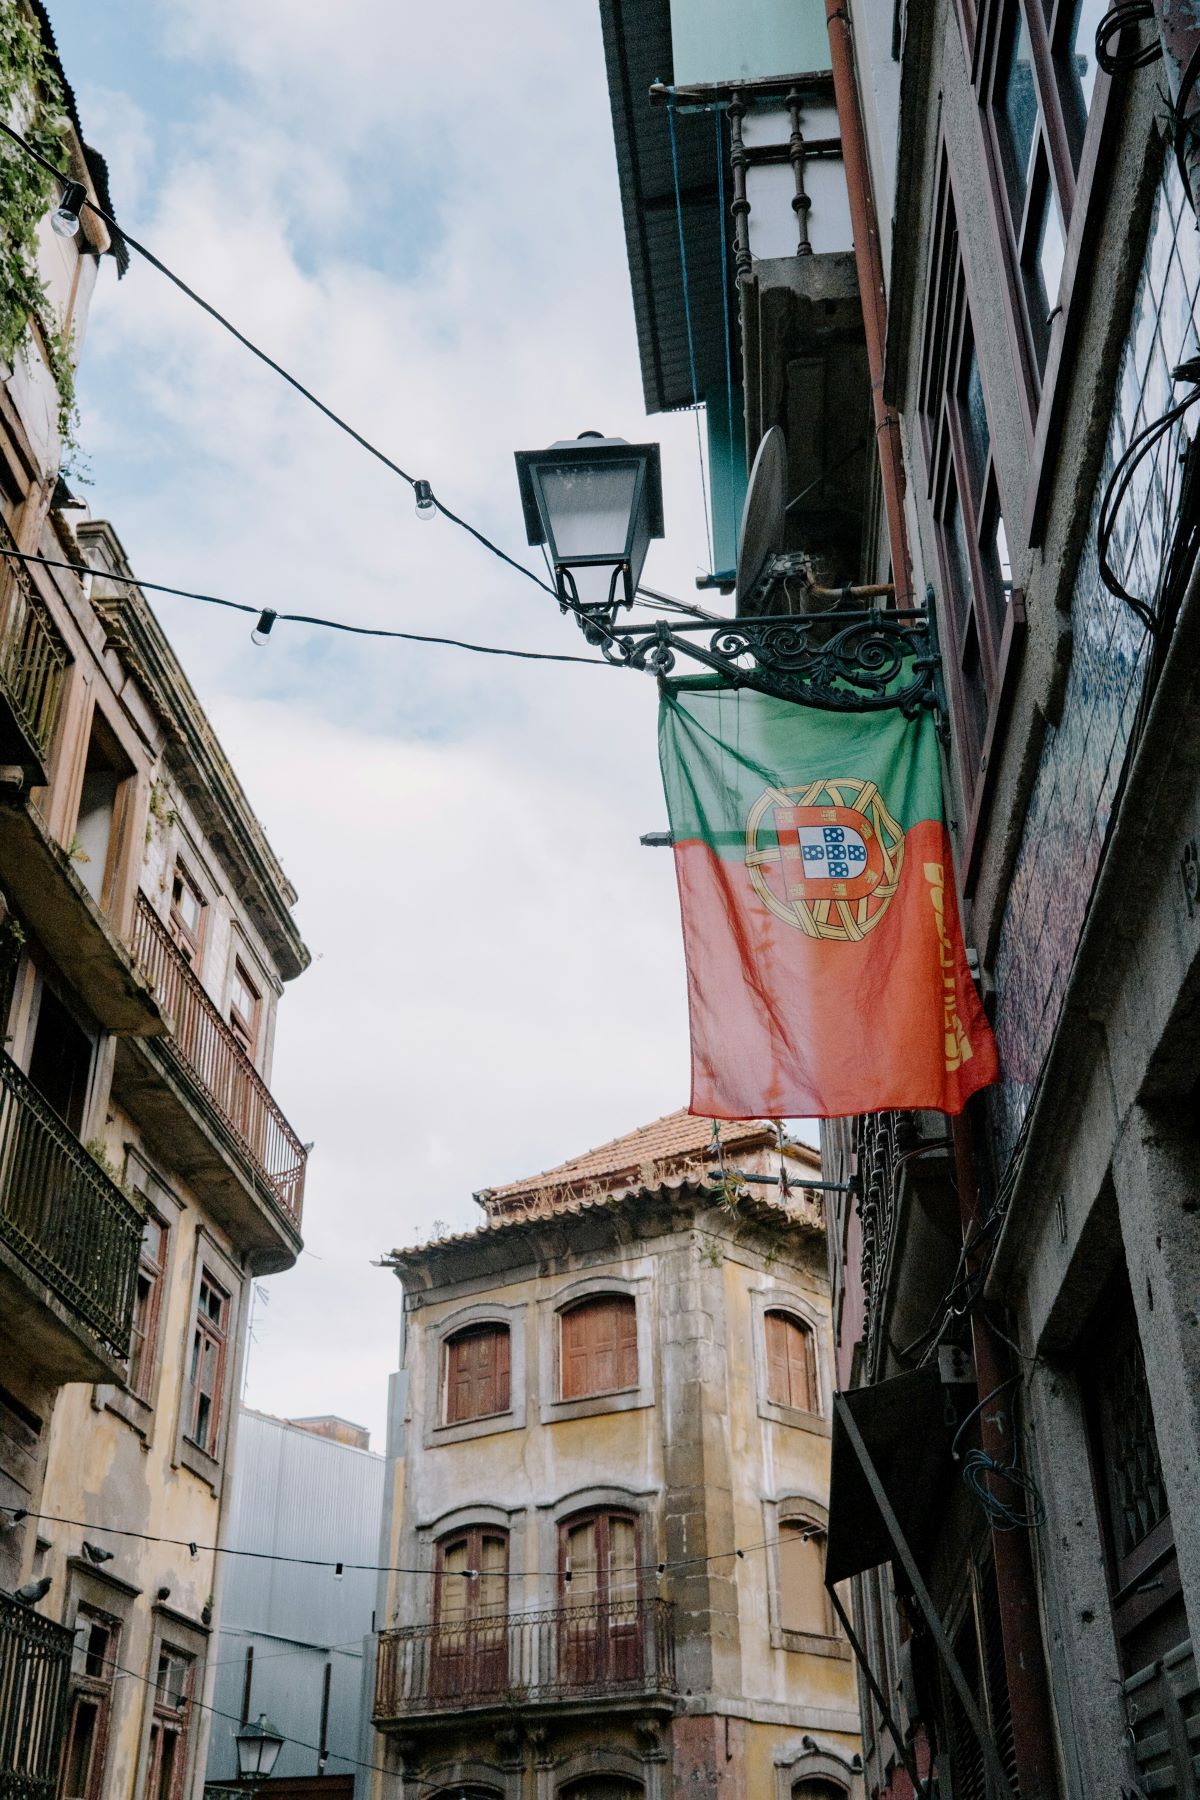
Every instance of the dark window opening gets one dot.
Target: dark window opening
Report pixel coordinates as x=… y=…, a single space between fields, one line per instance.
x=97 y=837
x=60 y=1060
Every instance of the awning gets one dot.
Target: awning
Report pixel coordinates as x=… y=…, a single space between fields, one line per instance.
x=902 y=1423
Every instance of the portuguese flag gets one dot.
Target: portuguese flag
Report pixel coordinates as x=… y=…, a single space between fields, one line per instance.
x=826 y=969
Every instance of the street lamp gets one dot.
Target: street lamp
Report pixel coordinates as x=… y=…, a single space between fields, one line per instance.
x=258 y=1748
x=595 y=502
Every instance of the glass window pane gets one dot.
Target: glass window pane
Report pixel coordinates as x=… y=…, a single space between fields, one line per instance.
x=1016 y=109
x=1079 y=60
x=589 y=508
x=974 y=419
x=1050 y=252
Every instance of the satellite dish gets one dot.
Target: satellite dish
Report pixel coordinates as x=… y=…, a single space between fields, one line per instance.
x=764 y=515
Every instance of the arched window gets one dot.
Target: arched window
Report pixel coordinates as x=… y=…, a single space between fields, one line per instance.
x=470 y=1599
x=803 y=1602
x=476 y=1380
x=598 y=1583
x=817 y=1787
x=791 y=1362
x=598 y=1347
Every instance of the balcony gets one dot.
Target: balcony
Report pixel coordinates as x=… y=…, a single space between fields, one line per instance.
x=911 y=1234
x=35 y=1672
x=33 y=662
x=228 y=1100
x=564 y=1655
x=66 y=1224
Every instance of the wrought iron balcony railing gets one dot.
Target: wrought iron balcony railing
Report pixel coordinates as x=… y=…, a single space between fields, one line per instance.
x=883 y=1139
x=204 y=1042
x=562 y=1653
x=64 y=1218
x=33 y=658
x=35 y=1673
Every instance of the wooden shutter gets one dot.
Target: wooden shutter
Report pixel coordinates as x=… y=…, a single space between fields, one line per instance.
x=791 y=1363
x=802 y=1602
x=599 y=1347
x=778 y=1379
x=477 y=1374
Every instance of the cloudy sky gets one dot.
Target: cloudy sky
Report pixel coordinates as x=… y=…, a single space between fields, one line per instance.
x=414 y=208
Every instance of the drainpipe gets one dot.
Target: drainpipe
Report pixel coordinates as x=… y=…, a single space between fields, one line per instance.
x=869 y=260
x=1024 y=1656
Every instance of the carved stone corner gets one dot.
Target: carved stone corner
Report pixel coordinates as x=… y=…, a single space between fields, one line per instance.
x=409 y=1751
x=648 y=1732
x=508 y=1746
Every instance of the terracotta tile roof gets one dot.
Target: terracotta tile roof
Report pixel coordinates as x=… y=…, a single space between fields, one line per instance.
x=674 y=1145
x=804 y=1216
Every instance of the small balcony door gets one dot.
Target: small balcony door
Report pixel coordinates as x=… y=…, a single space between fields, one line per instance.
x=601 y=1640
x=470 y=1644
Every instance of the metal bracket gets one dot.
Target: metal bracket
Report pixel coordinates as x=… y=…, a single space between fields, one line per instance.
x=851 y=662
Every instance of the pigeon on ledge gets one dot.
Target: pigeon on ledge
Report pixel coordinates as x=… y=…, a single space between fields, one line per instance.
x=33 y=1591
x=95 y=1554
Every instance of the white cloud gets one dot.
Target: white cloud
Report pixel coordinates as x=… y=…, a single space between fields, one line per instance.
x=416 y=210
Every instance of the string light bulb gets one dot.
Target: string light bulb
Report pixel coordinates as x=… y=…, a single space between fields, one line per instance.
x=64 y=220
x=426 y=504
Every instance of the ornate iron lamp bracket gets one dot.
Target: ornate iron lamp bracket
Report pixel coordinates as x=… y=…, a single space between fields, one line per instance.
x=841 y=661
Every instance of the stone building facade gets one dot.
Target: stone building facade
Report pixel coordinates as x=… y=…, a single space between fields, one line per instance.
x=1043 y=278
x=146 y=1173
x=610 y=1444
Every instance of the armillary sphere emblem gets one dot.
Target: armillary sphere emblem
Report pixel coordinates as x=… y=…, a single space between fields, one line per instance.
x=826 y=857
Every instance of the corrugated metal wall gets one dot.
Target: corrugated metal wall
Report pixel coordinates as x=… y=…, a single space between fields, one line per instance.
x=297 y=1495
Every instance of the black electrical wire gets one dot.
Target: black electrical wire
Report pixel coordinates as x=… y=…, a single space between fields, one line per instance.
x=278 y=368
x=272 y=617
x=1138 y=448
x=1126 y=14
x=18 y=1513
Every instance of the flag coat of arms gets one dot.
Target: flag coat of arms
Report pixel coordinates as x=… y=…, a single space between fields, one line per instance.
x=826 y=969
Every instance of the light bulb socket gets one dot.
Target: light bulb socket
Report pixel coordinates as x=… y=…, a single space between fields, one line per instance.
x=64 y=220
x=426 y=504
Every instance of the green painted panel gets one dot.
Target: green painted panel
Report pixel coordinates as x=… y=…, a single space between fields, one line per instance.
x=727 y=472
x=730 y=40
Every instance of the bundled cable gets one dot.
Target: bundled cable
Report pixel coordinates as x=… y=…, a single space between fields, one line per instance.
x=1126 y=14
x=1019 y=1505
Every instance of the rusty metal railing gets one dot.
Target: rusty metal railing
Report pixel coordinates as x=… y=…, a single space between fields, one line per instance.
x=203 y=1040
x=33 y=657
x=35 y=1674
x=618 y=1647
x=62 y=1215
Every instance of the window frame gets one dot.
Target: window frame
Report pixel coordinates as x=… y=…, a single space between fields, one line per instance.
x=208 y=1465
x=164 y=1718
x=1079 y=152
x=500 y=1330
x=993 y=631
x=142 y=1380
x=805 y=1511
x=189 y=943
x=808 y=1311
x=551 y=1307
x=624 y=1307
x=248 y=1032
x=435 y=1335
x=812 y=1395
x=97 y=1691
x=207 y=1331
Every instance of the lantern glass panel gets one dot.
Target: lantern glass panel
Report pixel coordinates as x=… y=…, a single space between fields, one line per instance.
x=587 y=509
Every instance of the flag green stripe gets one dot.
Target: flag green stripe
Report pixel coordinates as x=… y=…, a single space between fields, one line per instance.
x=720 y=748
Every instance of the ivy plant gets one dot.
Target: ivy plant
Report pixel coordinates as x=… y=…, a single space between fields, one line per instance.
x=31 y=97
